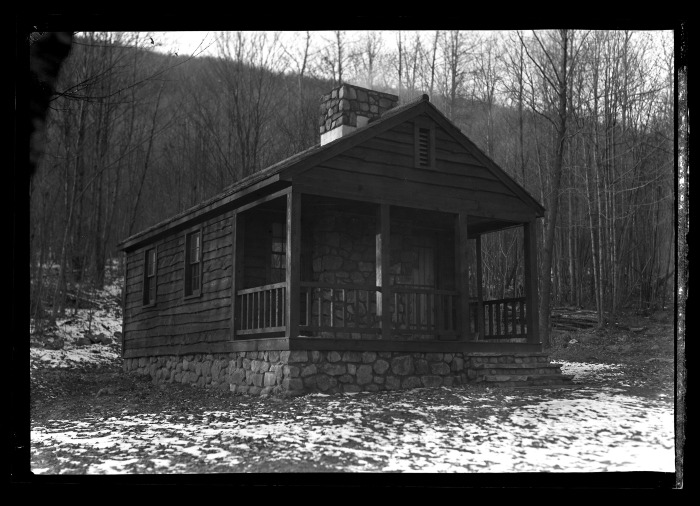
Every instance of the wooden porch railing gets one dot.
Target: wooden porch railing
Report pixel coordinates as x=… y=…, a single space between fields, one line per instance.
x=261 y=309
x=424 y=310
x=505 y=318
x=327 y=307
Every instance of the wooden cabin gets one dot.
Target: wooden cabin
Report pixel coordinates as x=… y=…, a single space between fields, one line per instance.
x=343 y=268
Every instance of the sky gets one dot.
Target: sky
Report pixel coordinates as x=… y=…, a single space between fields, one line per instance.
x=189 y=41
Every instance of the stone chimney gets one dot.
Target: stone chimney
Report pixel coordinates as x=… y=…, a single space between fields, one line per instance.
x=349 y=107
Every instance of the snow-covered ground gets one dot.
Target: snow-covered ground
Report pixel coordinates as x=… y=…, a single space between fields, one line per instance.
x=583 y=430
x=104 y=322
x=588 y=429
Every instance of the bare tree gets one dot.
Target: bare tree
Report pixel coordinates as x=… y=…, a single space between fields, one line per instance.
x=335 y=56
x=552 y=58
x=366 y=59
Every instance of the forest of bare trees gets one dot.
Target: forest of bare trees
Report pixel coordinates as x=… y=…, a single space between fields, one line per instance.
x=584 y=120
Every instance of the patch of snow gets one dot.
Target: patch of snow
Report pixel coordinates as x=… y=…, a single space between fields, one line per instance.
x=111 y=466
x=78 y=324
x=589 y=371
x=93 y=355
x=529 y=433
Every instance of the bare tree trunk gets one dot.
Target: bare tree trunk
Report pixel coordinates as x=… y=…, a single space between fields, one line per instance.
x=132 y=222
x=70 y=202
x=553 y=209
x=433 y=62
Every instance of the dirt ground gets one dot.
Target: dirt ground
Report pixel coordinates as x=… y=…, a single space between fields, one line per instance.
x=643 y=344
x=71 y=400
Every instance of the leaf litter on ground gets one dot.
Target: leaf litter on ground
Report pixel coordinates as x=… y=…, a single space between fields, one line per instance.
x=88 y=417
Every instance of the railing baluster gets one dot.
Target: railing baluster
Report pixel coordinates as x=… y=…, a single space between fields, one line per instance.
x=450 y=320
x=308 y=307
x=498 y=319
x=357 y=307
x=332 y=307
x=243 y=313
x=419 y=314
x=240 y=314
x=522 y=317
x=395 y=313
x=342 y=296
x=249 y=310
x=253 y=310
x=429 y=311
x=277 y=306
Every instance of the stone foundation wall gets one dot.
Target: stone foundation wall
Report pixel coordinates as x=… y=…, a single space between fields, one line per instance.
x=296 y=372
x=253 y=372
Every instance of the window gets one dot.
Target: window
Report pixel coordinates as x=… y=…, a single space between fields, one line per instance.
x=424 y=138
x=279 y=253
x=420 y=269
x=149 y=278
x=193 y=264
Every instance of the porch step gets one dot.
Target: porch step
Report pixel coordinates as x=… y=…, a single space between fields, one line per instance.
x=516 y=367
x=530 y=371
x=511 y=353
x=518 y=370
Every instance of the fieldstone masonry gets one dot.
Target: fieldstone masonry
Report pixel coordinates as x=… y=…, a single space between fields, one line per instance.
x=299 y=372
x=343 y=105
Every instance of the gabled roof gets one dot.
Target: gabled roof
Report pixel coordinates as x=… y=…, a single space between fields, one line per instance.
x=304 y=160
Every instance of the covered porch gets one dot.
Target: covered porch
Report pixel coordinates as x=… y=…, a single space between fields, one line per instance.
x=312 y=269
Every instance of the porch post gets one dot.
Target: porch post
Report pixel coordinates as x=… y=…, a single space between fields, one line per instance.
x=479 y=288
x=531 y=296
x=382 y=269
x=238 y=230
x=292 y=258
x=462 y=269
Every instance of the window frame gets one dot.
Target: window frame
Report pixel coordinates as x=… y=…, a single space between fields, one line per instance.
x=189 y=293
x=148 y=279
x=418 y=125
x=279 y=254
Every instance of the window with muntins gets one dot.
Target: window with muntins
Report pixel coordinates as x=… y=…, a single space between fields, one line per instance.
x=193 y=264
x=279 y=253
x=149 y=277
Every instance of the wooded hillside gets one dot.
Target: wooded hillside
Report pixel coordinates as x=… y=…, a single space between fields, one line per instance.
x=584 y=120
